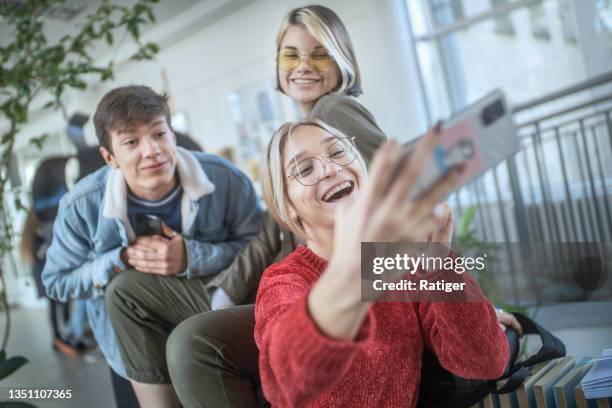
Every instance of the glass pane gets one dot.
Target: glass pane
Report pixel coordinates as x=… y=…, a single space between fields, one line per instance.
x=428 y=15
x=431 y=69
x=535 y=52
x=418 y=17
x=604 y=23
x=503 y=24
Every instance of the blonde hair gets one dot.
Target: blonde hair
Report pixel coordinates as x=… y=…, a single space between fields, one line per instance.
x=327 y=28
x=274 y=185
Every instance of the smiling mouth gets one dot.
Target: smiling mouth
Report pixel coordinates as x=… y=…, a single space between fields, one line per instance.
x=339 y=192
x=302 y=81
x=155 y=166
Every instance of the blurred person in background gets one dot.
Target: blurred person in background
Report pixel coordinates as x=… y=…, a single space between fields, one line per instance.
x=48 y=187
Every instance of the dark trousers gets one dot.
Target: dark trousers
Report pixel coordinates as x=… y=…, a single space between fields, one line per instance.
x=143 y=310
x=212 y=358
x=123 y=392
x=59 y=314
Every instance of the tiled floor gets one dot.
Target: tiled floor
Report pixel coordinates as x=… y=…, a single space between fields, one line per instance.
x=585 y=328
x=31 y=338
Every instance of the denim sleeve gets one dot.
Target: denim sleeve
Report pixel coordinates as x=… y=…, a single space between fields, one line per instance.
x=70 y=272
x=243 y=218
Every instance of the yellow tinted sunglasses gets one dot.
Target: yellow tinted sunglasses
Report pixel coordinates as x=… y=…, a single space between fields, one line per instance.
x=318 y=59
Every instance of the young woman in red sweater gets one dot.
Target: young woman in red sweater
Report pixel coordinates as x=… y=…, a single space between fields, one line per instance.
x=320 y=344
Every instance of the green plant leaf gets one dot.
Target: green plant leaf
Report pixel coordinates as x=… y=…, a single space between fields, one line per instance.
x=39 y=141
x=465 y=223
x=106 y=74
x=2 y=355
x=154 y=48
x=9 y=366
x=150 y=15
x=132 y=27
x=8 y=137
x=19 y=205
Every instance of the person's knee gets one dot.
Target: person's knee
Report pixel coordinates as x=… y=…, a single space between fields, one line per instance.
x=186 y=347
x=209 y=359
x=121 y=286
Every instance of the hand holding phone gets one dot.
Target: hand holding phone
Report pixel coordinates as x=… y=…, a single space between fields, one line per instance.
x=157 y=248
x=478 y=138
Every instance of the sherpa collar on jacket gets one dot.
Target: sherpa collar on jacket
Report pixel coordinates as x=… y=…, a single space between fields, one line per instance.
x=194 y=182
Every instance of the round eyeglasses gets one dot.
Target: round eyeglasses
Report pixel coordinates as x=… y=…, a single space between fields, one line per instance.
x=311 y=170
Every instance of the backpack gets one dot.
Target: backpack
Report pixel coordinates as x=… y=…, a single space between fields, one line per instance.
x=440 y=388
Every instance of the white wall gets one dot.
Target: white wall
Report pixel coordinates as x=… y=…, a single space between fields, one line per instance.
x=204 y=62
x=238 y=51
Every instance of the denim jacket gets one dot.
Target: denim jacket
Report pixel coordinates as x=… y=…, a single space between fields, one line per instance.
x=219 y=215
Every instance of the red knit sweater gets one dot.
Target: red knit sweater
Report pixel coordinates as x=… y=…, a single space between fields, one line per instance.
x=301 y=367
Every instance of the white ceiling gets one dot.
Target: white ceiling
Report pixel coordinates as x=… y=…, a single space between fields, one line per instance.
x=175 y=21
x=57 y=25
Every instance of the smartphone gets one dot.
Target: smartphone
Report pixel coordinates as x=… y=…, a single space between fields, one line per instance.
x=148 y=224
x=479 y=136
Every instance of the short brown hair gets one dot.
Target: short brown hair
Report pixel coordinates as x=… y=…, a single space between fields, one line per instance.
x=128 y=105
x=327 y=28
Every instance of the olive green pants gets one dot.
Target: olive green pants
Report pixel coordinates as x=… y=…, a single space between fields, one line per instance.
x=216 y=351
x=213 y=360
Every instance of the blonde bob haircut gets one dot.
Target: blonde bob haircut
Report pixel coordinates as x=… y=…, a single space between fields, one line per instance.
x=274 y=179
x=327 y=28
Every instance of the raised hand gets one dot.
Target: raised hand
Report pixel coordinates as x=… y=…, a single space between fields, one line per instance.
x=382 y=213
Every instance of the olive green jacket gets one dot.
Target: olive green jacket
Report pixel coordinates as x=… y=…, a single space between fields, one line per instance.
x=241 y=278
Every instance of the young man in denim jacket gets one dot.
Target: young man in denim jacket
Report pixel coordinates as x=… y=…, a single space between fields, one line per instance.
x=102 y=251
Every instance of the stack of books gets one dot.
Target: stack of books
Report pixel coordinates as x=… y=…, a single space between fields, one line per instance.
x=566 y=382
x=597 y=383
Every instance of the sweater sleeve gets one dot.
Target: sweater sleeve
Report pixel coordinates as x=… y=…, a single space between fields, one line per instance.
x=465 y=334
x=297 y=361
x=353 y=119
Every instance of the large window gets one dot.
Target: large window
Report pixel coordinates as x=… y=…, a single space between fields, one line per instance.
x=604 y=21
x=467 y=48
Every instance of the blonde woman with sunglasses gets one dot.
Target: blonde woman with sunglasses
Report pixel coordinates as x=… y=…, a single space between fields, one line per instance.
x=317 y=68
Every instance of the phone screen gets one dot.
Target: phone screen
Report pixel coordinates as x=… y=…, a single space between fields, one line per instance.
x=148 y=224
x=479 y=136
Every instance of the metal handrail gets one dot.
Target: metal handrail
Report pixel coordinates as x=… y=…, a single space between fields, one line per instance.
x=562 y=112
x=581 y=86
x=496 y=11
x=557 y=189
x=567 y=123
